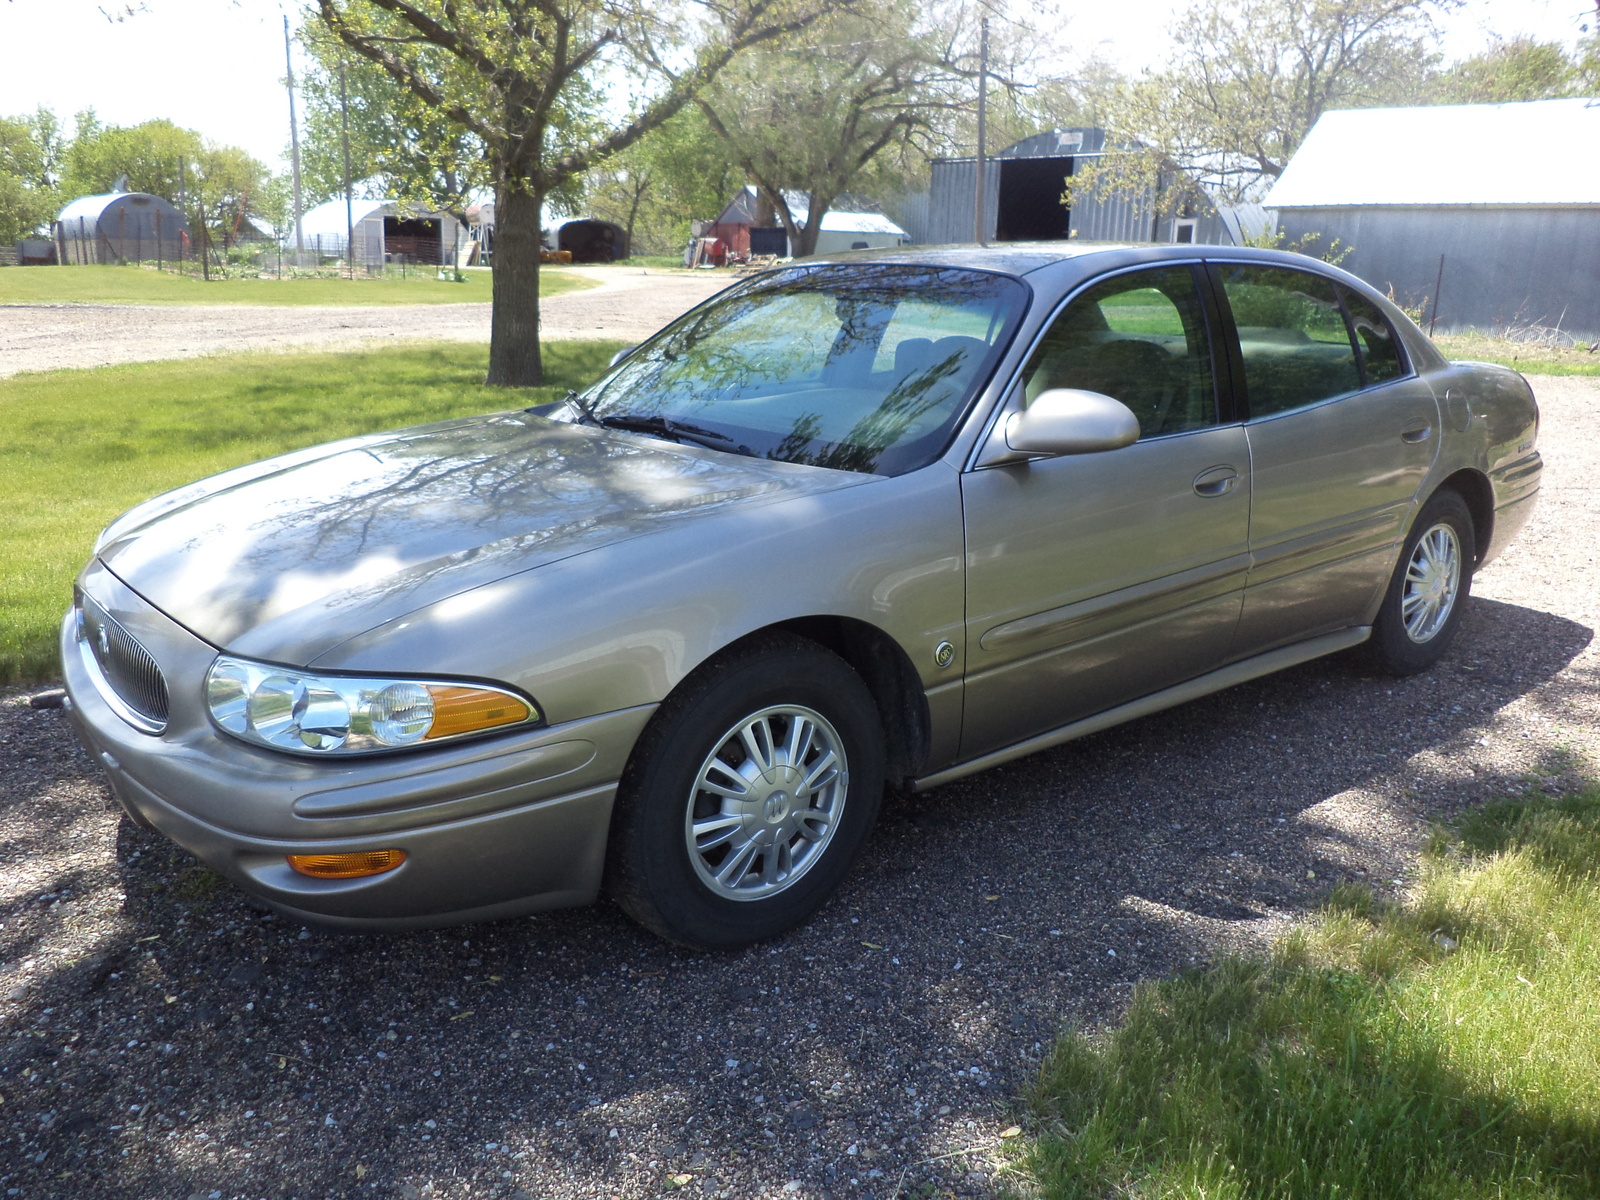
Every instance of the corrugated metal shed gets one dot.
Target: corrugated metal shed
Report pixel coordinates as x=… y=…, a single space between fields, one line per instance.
x=1484 y=216
x=379 y=229
x=120 y=227
x=1543 y=152
x=1023 y=184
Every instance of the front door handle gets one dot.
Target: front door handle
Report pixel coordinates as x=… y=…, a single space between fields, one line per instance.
x=1417 y=434
x=1215 y=481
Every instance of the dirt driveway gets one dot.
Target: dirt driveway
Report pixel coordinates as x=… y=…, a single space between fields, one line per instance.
x=161 y=1038
x=629 y=304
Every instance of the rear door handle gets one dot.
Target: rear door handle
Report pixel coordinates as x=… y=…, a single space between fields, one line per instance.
x=1215 y=481
x=1418 y=434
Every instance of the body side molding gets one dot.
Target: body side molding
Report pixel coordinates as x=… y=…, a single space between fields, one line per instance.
x=1202 y=685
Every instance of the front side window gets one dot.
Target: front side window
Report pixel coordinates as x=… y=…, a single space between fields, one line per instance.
x=1139 y=338
x=1292 y=336
x=855 y=367
x=1380 y=356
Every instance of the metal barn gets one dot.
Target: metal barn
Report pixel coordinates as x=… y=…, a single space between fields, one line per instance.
x=1023 y=186
x=120 y=227
x=382 y=233
x=1486 y=216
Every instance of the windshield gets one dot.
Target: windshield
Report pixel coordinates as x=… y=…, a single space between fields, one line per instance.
x=856 y=367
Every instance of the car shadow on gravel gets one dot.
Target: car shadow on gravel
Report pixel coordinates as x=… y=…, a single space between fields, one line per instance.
x=166 y=1038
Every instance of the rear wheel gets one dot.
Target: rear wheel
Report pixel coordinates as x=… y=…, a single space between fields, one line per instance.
x=748 y=797
x=1422 y=609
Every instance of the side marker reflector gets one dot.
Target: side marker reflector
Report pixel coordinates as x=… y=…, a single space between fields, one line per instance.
x=347 y=866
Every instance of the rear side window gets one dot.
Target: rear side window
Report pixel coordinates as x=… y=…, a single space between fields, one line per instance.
x=1292 y=336
x=1380 y=355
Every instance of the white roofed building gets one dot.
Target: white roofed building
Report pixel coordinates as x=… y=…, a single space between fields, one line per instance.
x=381 y=232
x=740 y=226
x=1485 y=216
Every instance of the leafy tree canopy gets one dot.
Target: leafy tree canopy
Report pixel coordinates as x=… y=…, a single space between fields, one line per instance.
x=524 y=77
x=1248 y=79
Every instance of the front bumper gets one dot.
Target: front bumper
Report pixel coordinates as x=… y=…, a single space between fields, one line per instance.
x=491 y=828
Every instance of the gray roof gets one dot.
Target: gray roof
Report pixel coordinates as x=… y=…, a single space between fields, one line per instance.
x=1542 y=152
x=89 y=208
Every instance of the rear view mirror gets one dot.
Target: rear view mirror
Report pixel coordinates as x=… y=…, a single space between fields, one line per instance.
x=1070 y=421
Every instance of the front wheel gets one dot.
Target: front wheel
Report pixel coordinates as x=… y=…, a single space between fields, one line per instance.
x=1422 y=609
x=748 y=797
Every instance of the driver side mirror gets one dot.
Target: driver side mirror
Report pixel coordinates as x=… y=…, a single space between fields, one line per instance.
x=1071 y=421
x=620 y=355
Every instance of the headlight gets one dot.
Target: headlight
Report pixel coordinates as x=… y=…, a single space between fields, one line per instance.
x=329 y=714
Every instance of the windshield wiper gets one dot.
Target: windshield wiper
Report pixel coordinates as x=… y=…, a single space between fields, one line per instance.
x=677 y=430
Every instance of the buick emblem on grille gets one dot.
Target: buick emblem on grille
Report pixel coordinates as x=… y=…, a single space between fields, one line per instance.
x=104 y=641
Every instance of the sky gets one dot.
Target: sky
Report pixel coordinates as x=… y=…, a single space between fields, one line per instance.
x=218 y=65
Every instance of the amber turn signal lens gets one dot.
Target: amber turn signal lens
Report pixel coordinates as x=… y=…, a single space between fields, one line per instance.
x=465 y=709
x=347 y=866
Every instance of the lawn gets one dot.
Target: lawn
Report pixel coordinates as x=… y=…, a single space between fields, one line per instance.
x=79 y=447
x=1447 y=1048
x=1528 y=358
x=145 y=285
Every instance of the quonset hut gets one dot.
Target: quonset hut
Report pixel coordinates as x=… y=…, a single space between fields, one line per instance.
x=120 y=227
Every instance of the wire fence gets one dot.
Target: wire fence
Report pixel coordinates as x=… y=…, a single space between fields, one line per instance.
x=83 y=242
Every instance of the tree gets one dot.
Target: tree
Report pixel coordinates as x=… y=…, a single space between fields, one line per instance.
x=400 y=147
x=1249 y=78
x=817 y=114
x=1509 y=70
x=655 y=188
x=520 y=75
x=31 y=150
x=171 y=162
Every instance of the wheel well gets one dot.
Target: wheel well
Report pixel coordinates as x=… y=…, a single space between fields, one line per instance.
x=889 y=676
x=1473 y=487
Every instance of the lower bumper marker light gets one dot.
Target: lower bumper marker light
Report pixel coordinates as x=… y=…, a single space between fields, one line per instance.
x=347 y=866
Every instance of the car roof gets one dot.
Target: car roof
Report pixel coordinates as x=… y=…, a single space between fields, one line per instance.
x=1012 y=258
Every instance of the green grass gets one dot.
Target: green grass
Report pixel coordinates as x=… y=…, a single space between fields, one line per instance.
x=1529 y=359
x=79 y=447
x=1444 y=1049
x=145 y=285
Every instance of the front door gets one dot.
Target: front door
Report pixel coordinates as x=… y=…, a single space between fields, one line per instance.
x=1341 y=438
x=1094 y=579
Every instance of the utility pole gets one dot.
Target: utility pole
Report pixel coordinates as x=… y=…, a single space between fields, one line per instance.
x=980 y=232
x=294 y=150
x=349 y=205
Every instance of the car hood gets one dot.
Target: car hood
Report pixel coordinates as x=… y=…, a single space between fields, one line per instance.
x=319 y=546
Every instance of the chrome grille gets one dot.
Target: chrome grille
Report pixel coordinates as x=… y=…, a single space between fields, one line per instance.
x=126 y=667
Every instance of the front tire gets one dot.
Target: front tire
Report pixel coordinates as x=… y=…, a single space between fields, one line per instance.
x=749 y=796
x=1422 y=609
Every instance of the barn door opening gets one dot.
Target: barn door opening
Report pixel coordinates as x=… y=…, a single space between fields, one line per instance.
x=419 y=239
x=1030 y=208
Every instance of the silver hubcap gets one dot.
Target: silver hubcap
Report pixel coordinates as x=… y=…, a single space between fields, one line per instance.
x=766 y=802
x=1433 y=579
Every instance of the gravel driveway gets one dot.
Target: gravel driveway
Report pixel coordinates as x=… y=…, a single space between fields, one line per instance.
x=629 y=304
x=161 y=1038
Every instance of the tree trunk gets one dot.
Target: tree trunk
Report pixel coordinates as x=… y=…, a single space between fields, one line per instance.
x=806 y=243
x=514 y=359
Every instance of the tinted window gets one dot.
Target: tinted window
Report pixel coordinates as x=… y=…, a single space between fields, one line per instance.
x=1293 y=337
x=856 y=367
x=1139 y=338
x=1380 y=355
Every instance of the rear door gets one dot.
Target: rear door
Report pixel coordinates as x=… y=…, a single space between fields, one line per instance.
x=1094 y=579
x=1341 y=436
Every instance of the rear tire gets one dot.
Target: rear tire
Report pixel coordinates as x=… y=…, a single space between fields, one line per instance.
x=748 y=797
x=1428 y=592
